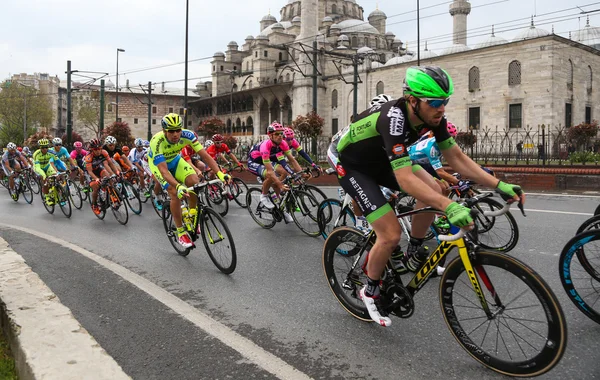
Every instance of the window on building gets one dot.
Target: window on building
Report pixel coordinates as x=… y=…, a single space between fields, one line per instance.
x=221 y=68
x=170 y=109
x=376 y=43
x=292 y=12
x=250 y=84
x=234 y=68
x=247 y=65
x=366 y=41
x=380 y=88
x=354 y=41
x=588 y=114
x=119 y=119
x=280 y=56
x=514 y=73
x=275 y=80
x=343 y=9
x=189 y=123
x=287 y=77
x=334 y=99
x=214 y=68
x=110 y=108
x=515 y=116
x=568 y=115
x=570 y=75
x=135 y=121
x=474 y=117
x=281 y=79
x=153 y=109
x=334 y=9
x=256 y=54
x=474 y=78
x=181 y=111
x=590 y=79
x=334 y=126
x=153 y=121
x=266 y=53
x=354 y=11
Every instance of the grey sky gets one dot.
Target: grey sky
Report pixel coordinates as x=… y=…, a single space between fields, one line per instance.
x=41 y=35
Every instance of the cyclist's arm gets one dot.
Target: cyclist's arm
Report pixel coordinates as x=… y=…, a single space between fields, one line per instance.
x=90 y=169
x=24 y=160
x=446 y=176
x=413 y=185
x=467 y=167
x=208 y=160
x=234 y=158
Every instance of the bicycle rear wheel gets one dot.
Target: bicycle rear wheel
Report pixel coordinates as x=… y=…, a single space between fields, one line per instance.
x=217 y=240
x=62 y=193
x=495 y=232
x=304 y=209
x=33 y=183
x=171 y=230
x=525 y=333
x=75 y=195
x=261 y=215
x=132 y=197
x=118 y=206
x=581 y=277
x=331 y=216
x=26 y=191
x=340 y=253
x=240 y=189
x=313 y=190
x=216 y=200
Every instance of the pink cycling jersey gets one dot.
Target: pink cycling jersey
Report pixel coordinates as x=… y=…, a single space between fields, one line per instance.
x=268 y=149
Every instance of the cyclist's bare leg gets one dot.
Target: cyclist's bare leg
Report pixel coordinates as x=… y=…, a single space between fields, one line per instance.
x=388 y=233
x=281 y=172
x=422 y=221
x=175 y=206
x=11 y=179
x=356 y=209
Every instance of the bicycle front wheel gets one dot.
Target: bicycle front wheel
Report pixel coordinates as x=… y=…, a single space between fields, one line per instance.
x=261 y=215
x=581 y=276
x=118 y=206
x=239 y=191
x=331 y=216
x=304 y=209
x=524 y=334
x=132 y=197
x=33 y=183
x=27 y=192
x=75 y=195
x=495 y=232
x=62 y=193
x=217 y=240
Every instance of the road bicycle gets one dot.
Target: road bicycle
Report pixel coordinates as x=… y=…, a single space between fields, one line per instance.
x=59 y=194
x=32 y=180
x=579 y=268
x=129 y=193
x=496 y=307
x=236 y=189
x=110 y=198
x=214 y=231
x=22 y=187
x=301 y=205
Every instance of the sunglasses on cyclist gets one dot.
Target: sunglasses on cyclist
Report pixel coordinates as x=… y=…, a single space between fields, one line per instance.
x=173 y=130
x=96 y=149
x=277 y=133
x=435 y=103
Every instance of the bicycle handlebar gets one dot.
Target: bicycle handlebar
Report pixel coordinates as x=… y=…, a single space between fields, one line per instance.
x=462 y=231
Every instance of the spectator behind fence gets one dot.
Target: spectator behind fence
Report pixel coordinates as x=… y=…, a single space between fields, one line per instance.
x=520 y=150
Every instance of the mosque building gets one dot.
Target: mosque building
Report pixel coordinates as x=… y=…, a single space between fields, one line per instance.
x=536 y=78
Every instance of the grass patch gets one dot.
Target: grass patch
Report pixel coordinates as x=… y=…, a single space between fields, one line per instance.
x=7 y=361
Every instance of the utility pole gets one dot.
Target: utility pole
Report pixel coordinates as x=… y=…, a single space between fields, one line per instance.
x=69 y=116
x=150 y=110
x=24 y=119
x=101 y=125
x=418 y=36
x=355 y=86
x=314 y=76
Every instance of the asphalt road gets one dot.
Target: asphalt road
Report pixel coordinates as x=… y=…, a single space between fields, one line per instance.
x=277 y=298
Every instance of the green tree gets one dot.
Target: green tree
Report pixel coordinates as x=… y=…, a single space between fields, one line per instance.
x=121 y=131
x=21 y=104
x=231 y=142
x=87 y=112
x=210 y=126
x=310 y=125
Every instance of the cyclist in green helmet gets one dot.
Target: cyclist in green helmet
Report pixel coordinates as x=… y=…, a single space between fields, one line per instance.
x=373 y=152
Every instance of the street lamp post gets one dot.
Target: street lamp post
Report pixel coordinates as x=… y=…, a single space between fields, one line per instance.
x=418 y=36
x=117 y=96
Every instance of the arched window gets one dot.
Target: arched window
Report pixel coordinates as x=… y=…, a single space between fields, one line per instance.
x=354 y=41
x=343 y=9
x=366 y=41
x=287 y=77
x=376 y=43
x=334 y=9
x=280 y=78
x=334 y=99
x=250 y=84
x=235 y=88
x=379 y=89
x=292 y=12
x=590 y=79
x=247 y=65
x=474 y=78
x=570 y=75
x=514 y=73
x=280 y=56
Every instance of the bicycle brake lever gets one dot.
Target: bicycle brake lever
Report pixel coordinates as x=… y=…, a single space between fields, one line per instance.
x=520 y=205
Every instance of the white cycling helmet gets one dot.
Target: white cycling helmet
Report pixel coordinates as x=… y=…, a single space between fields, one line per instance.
x=57 y=141
x=138 y=142
x=380 y=100
x=208 y=143
x=110 y=140
x=146 y=144
x=11 y=146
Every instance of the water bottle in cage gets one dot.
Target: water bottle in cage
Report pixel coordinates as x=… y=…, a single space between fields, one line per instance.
x=341 y=194
x=102 y=195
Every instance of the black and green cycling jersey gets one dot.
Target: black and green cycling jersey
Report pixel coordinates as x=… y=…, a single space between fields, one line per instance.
x=382 y=135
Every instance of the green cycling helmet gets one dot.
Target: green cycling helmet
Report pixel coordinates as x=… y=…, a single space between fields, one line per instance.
x=428 y=82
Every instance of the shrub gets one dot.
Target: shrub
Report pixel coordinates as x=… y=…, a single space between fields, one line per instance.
x=121 y=131
x=465 y=139
x=209 y=127
x=231 y=142
x=310 y=125
x=33 y=139
x=580 y=135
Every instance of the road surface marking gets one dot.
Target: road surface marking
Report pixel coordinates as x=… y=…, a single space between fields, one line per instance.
x=557 y=212
x=244 y=346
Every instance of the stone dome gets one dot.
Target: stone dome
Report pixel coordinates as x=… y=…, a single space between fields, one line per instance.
x=491 y=41
x=261 y=37
x=391 y=34
x=365 y=50
x=297 y=19
x=219 y=54
x=531 y=32
x=232 y=43
x=377 y=13
x=341 y=47
x=425 y=54
x=375 y=65
x=334 y=26
x=249 y=38
x=397 y=60
x=277 y=25
x=456 y=48
x=343 y=37
x=357 y=26
x=589 y=35
x=269 y=17
x=327 y=19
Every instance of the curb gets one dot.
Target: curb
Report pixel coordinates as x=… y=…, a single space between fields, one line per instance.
x=44 y=336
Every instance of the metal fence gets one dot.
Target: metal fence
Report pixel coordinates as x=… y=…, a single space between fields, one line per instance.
x=539 y=145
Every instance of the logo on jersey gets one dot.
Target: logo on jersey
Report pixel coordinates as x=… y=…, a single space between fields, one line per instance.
x=340 y=170
x=433 y=152
x=396 y=121
x=398 y=149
